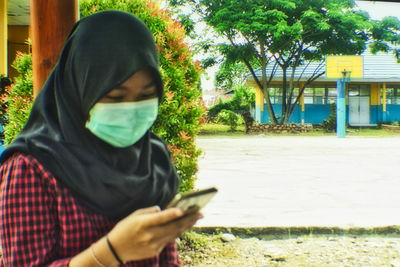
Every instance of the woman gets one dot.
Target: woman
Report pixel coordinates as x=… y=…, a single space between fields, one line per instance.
x=83 y=182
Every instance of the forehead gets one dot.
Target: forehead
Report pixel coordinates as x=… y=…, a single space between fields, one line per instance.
x=141 y=76
x=142 y=80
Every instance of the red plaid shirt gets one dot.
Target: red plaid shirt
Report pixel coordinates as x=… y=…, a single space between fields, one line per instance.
x=42 y=224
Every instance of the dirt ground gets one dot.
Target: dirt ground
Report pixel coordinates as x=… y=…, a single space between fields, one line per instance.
x=307 y=251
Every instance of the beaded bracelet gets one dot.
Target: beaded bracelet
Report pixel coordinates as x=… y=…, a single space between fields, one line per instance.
x=113 y=251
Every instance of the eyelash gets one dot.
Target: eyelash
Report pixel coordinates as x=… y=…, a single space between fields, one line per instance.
x=115 y=97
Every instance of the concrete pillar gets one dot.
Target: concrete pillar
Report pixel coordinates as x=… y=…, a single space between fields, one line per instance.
x=259 y=109
x=51 y=21
x=3 y=37
x=341 y=109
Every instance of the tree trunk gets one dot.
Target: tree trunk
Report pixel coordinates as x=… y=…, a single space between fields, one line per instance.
x=265 y=85
x=284 y=98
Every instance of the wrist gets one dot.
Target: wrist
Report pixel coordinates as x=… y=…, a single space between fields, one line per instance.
x=102 y=253
x=115 y=254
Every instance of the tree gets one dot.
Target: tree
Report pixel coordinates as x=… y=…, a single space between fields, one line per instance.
x=19 y=97
x=181 y=109
x=386 y=36
x=286 y=34
x=230 y=75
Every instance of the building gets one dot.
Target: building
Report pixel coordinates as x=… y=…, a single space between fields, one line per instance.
x=14 y=32
x=372 y=99
x=212 y=97
x=46 y=23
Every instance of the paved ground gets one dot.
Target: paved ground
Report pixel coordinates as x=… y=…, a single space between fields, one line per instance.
x=301 y=181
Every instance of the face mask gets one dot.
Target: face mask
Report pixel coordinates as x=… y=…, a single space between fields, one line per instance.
x=122 y=124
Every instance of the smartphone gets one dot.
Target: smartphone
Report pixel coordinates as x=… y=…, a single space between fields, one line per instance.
x=193 y=201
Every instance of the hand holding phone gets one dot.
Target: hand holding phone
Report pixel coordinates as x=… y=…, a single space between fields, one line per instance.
x=193 y=201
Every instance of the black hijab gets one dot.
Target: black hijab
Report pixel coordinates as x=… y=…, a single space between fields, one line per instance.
x=101 y=52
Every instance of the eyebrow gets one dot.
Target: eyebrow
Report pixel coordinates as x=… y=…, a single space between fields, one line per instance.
x=147 y=86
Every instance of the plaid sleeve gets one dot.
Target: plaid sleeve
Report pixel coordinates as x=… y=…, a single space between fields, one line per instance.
x=28 y=215
x=169 y=256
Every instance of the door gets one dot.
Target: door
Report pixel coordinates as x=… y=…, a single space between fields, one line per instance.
x=359 y=108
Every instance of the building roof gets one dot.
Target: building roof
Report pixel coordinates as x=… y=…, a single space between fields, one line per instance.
x=380 y=67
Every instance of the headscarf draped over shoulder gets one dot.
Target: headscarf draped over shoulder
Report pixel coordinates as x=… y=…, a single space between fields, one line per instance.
x=101 y=52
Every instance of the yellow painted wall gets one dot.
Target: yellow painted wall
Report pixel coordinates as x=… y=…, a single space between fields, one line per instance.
x=375 y=94
x=260 y=98
x=3 y=37
x=17 y=41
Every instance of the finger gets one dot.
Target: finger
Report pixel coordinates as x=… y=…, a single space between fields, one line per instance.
x=171 y=231
x=180 y=225
x=148 y=210
x=163 y=217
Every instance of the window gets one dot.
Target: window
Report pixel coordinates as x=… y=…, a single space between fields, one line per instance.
x=275 y=94
x=332 y=95
x=359 y=90
x=320 y=94
x=392 y=94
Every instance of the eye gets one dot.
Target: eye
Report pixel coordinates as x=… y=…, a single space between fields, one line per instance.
x=147 y=96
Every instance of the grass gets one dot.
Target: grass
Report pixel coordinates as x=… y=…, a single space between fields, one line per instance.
x=195 y=248
x=220 y=129
x=214 y=129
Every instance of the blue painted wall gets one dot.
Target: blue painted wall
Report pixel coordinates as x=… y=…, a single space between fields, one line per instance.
x=263 y=117
x=392 y=113
x=375 y=114
x=315 y=114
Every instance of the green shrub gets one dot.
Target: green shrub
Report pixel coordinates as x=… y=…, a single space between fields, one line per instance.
x=182 y=109
x=5 y=82
x=229 y=118
x=243 y=98
x=19 y=97
x=329 y=125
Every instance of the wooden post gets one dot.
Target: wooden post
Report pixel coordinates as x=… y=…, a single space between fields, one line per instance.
x=3 y=37
x=51 y=21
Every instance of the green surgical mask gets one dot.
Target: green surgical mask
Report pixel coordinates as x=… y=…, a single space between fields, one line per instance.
x=122 y=124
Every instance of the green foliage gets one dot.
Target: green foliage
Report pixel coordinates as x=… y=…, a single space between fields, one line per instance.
x=230 y=75
x=181 y=109
x=241 y=102
x=329 y=125
x=4 y=83
x=193 y=241
x=288 y=33
x=386 y=36
x=230 y=118
x=20 y=97
x=214 y=110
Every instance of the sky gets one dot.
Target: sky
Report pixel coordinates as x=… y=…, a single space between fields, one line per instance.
x=380 y=9
x=376 y=9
